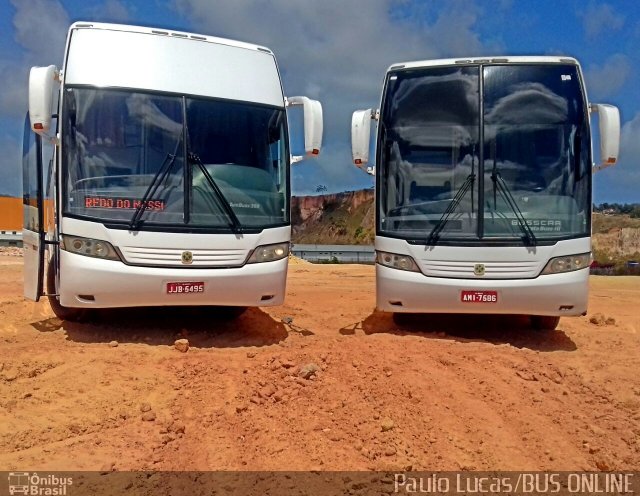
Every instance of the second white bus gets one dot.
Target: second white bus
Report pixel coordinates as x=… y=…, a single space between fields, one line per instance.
x=483 y=172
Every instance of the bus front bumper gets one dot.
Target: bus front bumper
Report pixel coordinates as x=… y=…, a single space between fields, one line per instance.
x=87 y=282
x=413 y=292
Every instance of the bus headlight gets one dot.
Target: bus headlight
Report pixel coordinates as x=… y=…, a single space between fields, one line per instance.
x=401 y=262
x=567 y=264
x=89 y=247
x=269 y=253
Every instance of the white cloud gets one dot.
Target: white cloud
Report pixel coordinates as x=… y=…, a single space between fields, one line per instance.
x=338 y=51
x=111 y=11
x=620 y=183
x=599 y=18
x=10 y=165
x=630 y=147
x=605 y=80
x=13 y=97
x=40 y=28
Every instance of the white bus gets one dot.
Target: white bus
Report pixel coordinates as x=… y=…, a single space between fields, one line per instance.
x=483 y=174
x=169 y=182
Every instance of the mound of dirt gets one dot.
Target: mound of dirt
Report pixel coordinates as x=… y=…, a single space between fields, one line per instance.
x=320 y=383
x=293 y=260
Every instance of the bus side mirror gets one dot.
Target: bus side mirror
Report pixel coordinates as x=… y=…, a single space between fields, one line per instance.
x=361 y=136
x=41 y=81
x=313 y=125
x=609 y=124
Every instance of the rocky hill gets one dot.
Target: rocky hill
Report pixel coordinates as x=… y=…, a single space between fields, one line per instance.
x=616 y=238
x=340 y=218
x=348 y=218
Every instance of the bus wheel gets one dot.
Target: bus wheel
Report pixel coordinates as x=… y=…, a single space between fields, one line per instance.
x=544 y=322
x=405 y=319
x=63 y=313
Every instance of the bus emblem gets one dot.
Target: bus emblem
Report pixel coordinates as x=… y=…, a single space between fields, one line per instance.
x=478 y=269
x=187 y=257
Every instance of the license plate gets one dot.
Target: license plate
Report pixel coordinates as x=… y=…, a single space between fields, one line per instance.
x=185 y=287
x=479 y=296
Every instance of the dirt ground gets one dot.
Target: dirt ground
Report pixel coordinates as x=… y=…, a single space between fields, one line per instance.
x=437 y=393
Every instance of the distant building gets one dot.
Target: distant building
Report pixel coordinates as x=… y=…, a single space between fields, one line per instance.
x=10 y=214
x=10 y=221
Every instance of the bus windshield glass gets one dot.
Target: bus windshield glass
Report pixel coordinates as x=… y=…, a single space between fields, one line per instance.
x=190 y=163
x=495 y=153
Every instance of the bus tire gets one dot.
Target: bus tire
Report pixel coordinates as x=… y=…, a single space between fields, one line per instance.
x=403 y=319
x=544 y=322
x=63 y=313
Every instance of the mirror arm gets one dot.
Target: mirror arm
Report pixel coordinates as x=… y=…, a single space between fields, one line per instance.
x=53 y=140
x=599 y=167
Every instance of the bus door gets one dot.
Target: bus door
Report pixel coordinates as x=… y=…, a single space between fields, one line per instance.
x=33 y=230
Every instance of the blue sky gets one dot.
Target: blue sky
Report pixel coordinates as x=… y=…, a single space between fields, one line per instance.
x=338 y=50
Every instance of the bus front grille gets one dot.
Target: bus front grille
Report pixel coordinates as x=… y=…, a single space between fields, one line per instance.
x=480 y=270
x=172 y=257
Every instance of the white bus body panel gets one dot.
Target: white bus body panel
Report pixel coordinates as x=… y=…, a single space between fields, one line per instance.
x=143 y=60
x=31 y=267
x=158 y=261
x=113 y=284
x=511 y=271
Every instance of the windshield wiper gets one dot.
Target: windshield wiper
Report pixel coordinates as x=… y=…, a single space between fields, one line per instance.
x=462 y=191
x=226 y=206
x=501 y=186
x=155 y=183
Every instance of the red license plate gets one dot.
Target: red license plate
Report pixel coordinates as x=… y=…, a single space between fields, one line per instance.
x=185 y=287
x=479 y=296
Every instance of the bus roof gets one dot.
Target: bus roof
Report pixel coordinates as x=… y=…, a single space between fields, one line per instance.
x=485 y=60
x=144 y=58
x=165 y=32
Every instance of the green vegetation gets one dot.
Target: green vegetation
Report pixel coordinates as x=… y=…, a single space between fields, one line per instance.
x=618 y=208
x=332 y=260
x=616 y=241
x=603 y=223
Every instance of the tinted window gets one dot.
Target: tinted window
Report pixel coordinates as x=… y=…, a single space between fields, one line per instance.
x=535 y=139
x=120 y=145
x=429 y=148
x=534 y=162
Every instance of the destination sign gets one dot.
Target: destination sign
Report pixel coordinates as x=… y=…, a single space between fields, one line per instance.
x=121 y=203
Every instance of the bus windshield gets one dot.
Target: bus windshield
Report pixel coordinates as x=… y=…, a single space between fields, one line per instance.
x=493 y=153
x=143 y=159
